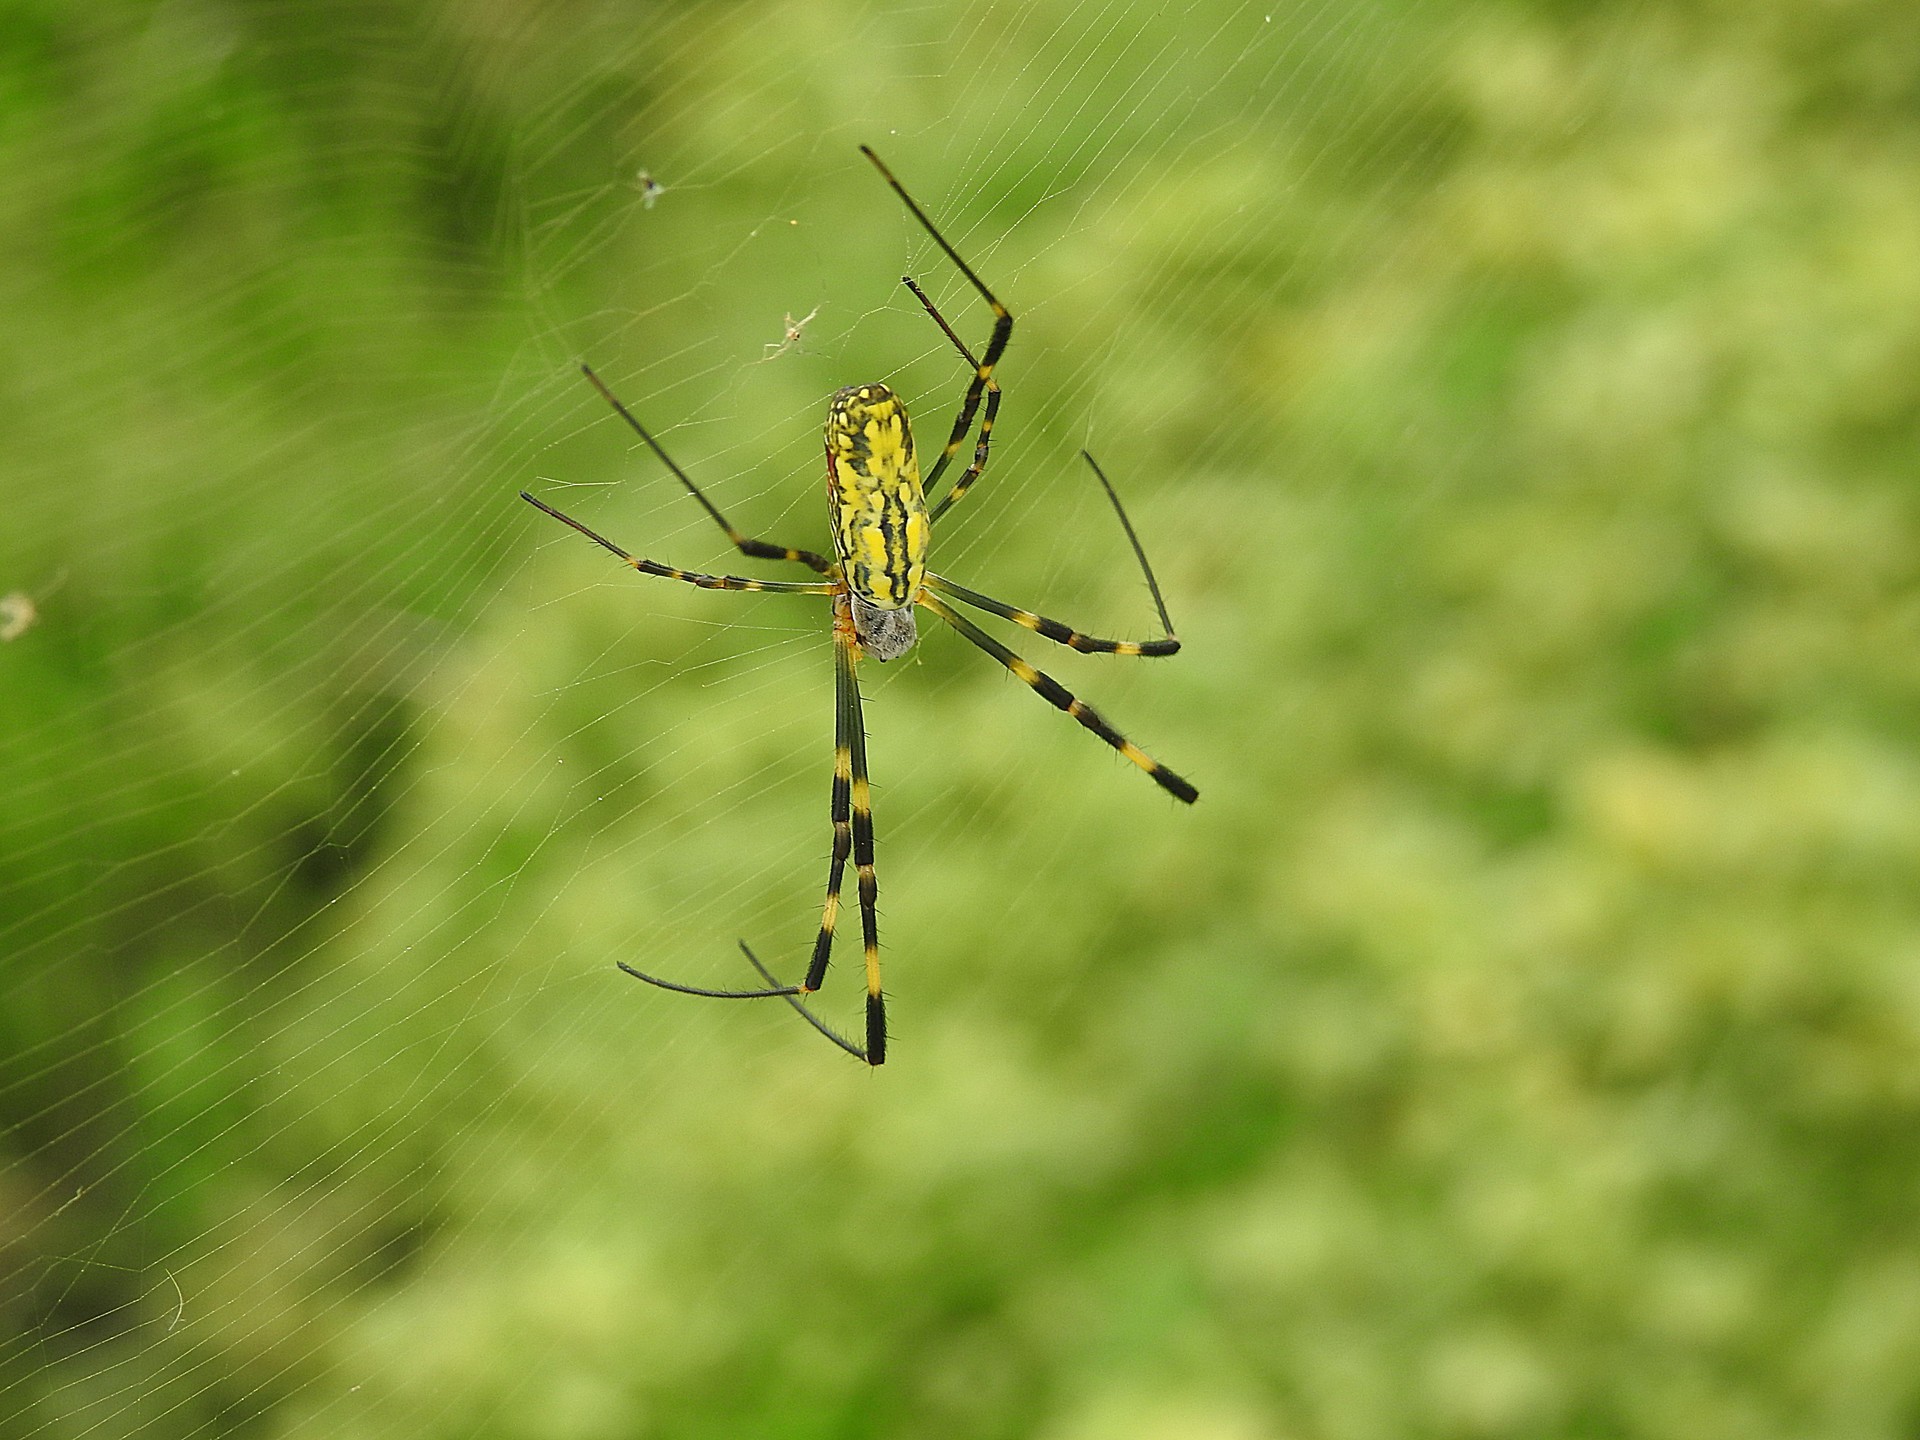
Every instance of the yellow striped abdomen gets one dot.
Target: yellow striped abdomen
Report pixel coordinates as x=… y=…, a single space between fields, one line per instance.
x=879 y=514
x=873 y=490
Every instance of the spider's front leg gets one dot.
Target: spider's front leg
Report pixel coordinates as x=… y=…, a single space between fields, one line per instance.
x=982 y=382
x=691 y=577
x=758 y=549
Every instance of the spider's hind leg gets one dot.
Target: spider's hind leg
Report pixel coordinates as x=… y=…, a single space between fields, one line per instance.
x=786 y=993
x=860 y=798
x=1066 y=635
x=1057 y=695
x=852 y=837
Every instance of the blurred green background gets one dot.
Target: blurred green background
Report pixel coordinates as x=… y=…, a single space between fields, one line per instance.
x=1520 y=1038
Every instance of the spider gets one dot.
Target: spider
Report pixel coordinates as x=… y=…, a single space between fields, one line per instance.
x=878 y=575
x=790 y=334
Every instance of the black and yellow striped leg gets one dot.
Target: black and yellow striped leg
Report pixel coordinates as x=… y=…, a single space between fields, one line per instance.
x=973 y=471
x=862 y=798
x=1057 y=695
x=692 y=577
x=1053 y=629
x=842 y=810
x=983 y=382
x=846 y=725
x=852 y=835
x=1065 y=634
x=759 y=549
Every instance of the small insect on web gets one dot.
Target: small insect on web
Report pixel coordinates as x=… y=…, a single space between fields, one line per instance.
x=878 y=576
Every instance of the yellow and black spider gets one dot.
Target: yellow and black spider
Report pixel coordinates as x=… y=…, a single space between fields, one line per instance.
x=877 y=503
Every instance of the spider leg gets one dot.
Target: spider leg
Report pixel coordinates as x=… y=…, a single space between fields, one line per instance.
x=692 y=577
x=759 y=549
x=1057 y=695
x=1052 y=629
x=983 y=381
x=861 y=796
x=1064 y=634
x=852 y=834
x=843 y=724
x=789 y=993
x=675 y=986
x=963 y=422
x=786 y=993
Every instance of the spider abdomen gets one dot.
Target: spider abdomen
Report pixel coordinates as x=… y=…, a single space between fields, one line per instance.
x=878 y=509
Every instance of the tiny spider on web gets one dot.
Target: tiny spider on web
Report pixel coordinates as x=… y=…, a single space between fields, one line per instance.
x=790 y=335
x=875 y=581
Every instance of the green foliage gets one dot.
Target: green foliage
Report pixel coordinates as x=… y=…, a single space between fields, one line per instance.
x=1518 y=1039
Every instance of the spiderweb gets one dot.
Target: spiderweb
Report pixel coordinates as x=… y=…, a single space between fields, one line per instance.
x=336 y=779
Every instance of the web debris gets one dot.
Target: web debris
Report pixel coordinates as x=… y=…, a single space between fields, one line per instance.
x=19 y=612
